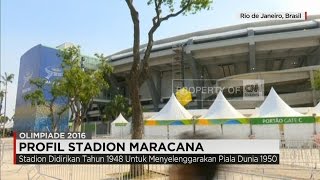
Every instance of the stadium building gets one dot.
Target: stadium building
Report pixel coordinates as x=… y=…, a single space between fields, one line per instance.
x=282 y=54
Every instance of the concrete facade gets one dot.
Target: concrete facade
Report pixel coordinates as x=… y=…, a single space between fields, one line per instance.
x=284 y=54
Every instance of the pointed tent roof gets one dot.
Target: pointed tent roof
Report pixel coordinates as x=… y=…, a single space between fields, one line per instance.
x=173 y=110
x=120 y=121
x=221 y=109
x=274 y=106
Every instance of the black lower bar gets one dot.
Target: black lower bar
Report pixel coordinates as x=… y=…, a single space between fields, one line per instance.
x=147 y=158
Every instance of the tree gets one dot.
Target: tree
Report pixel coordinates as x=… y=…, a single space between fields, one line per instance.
x=1 y=99
x=3 y=120
x=37 y=99
x=117 y=105
x=140 y=67
x=5 y=80
x=316 y=83
x=78 y=85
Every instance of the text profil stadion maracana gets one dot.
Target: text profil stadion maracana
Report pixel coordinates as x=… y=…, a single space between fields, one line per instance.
x=112 y=147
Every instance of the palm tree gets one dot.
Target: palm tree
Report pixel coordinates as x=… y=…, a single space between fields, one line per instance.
x=117 y=105
x=1 y=99
x=5 y=80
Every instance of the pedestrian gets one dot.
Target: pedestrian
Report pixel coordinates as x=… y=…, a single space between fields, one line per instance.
x=203 y=171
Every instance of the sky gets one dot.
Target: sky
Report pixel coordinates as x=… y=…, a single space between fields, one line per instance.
x=105 y=26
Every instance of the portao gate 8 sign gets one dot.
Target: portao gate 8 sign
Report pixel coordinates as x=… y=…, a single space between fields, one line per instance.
x=205 y=89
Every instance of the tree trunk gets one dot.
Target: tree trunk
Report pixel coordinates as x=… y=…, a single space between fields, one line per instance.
x=1 y=100
x=77 y=124
x=53 y=122
x=55 y=128
x=4 y=128
x=137 y=117
x=134 y=86
x=137 y=121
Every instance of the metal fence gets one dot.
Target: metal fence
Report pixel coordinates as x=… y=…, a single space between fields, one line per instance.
x=296 y=162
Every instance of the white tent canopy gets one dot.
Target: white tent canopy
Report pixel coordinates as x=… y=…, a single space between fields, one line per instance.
x=274 y=106
x=222 y=109
x=120 y=127
x=173 y=110
x=120 y=120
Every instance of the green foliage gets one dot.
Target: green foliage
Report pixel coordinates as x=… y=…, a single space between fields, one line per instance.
x=36 y=97
x=4 y=119
x=7 y=78
x=196 y=5
x=188 y=6
x=1 y=99
x=117 y=105
x=80 y=85
x=104 y=67
x=317 y=80
x=77 y=84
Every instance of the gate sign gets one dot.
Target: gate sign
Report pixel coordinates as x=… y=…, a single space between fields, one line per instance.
x=283 y=120
x=317 y=119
